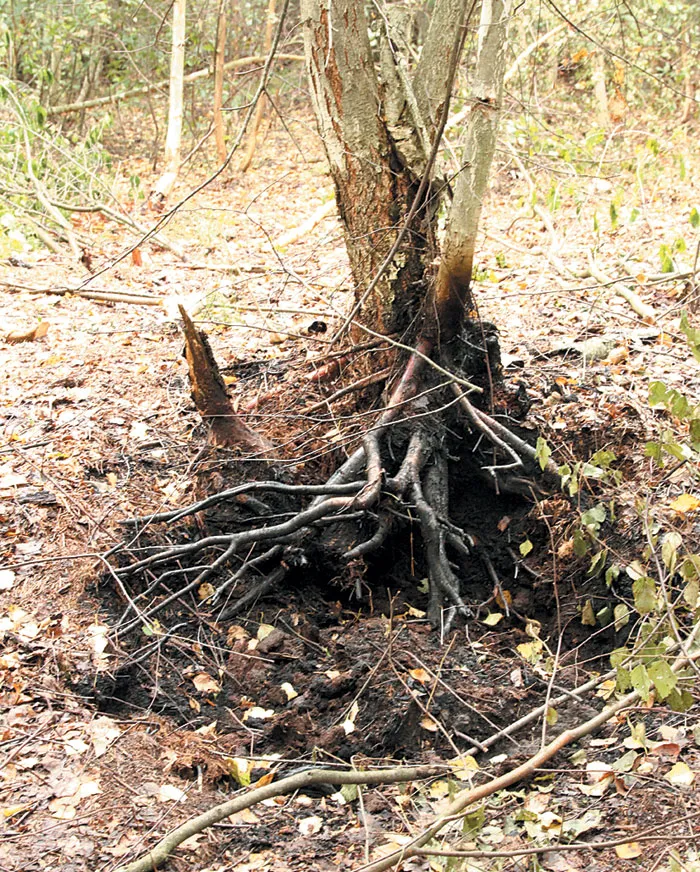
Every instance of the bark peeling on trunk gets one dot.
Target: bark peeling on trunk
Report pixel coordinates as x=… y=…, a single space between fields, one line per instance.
x=374 y=186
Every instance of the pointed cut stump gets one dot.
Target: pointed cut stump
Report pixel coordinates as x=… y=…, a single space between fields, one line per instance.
x=227 y=430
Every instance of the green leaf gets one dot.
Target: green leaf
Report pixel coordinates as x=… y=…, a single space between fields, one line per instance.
x=626 y=762
x=658 y=393
x=603 y=458
x=666 y=258
x=641 y=681
x=542 y=452
x=654 y=450
x=598 y=562
x=622 y=616
x=593 y=518
x=694 y=218
x=618 y=656
x=692 y=334
x=349 y=792
x=473 y=822
x=663 y=677
x=525 y=548
x=644 y=590
x=623 y=681
x=581 y=544
x=552 y=716
x=669 y=549
x=691 y=593
x=680 y=701
x=612 y=573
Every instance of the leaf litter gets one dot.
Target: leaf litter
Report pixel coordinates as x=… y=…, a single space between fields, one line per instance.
x=98 y=426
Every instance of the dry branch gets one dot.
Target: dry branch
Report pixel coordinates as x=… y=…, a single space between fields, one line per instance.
x=167 y=845
x=67 y=108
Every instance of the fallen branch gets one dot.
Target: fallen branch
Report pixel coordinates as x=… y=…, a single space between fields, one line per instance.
x=67 y=108
x=167 y=845
x=646 y=313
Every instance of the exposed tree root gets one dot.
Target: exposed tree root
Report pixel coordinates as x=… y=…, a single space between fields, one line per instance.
x=399 y=474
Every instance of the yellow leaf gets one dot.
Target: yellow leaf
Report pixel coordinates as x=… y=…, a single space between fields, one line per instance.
x=264 y=630
x=628 y=851
x=492 y=619
x=680 y=775
x=429 y=724
x=439 y=789
x=289 y=690
x=204 y=591
x=15 y=809
x=588 y=615
x=685 y=503
x=530 y=651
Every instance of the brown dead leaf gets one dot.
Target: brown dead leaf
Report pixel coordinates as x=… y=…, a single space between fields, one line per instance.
x=205 y=683
x=38 y=332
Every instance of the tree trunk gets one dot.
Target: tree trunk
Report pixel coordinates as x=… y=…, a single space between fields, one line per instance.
x=173 y=137
x=455 y=272
x=377 y=128
x=260 y=108
x=372 y=169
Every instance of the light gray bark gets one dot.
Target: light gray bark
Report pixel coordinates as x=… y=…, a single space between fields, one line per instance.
x=482 y=129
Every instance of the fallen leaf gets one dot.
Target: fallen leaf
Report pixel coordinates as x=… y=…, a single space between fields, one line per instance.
x=38 y=332
x=63 y=808
x=289 y=691
x=310 y=825
x=7 y=579
x=349 y=722
x=429 y=724
x=258 y=713
x=205 y=683
x=171 y=793
x=492 y=619
x=680 y=775
x=628 y=850
x=684 y=504
x=420 y=675
x=103 y=732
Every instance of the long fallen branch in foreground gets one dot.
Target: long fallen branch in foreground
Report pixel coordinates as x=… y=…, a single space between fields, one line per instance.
x=462 y=801
x=214 y=815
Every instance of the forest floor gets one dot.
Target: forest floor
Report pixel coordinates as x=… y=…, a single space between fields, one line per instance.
x=98 y=427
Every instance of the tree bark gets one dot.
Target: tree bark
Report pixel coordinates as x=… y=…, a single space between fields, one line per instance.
x=374 y=182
